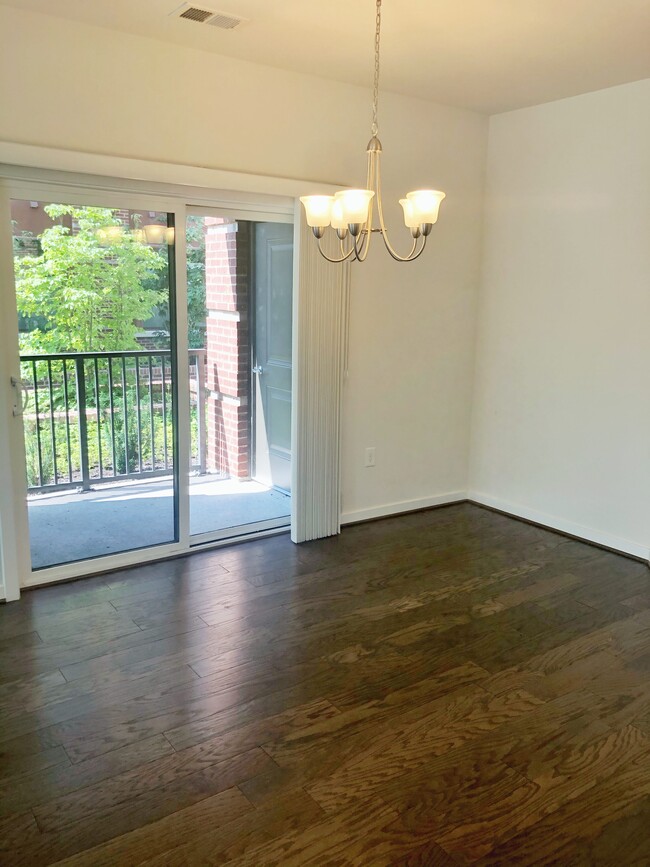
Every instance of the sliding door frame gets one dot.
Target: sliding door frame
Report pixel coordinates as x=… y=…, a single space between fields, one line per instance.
x=36 y=184
x=242 y=531
x=74 y=194
x=13 y=507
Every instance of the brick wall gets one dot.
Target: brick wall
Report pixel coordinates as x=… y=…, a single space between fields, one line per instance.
x=227 y=253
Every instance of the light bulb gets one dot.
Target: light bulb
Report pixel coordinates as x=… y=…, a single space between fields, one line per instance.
x=338 y=218
x=318 y=210
x=425 y=205
x=354 y=205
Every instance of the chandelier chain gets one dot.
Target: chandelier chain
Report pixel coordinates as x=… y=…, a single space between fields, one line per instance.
x=375 y=93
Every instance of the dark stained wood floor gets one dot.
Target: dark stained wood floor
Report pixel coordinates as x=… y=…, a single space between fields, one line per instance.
x=447 y=687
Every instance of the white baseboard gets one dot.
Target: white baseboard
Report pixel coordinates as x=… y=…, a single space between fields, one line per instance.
x=553 y=522
x=618 y=543
x=389 y=509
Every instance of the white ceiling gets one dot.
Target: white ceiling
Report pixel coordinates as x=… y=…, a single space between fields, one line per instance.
x=488 y=55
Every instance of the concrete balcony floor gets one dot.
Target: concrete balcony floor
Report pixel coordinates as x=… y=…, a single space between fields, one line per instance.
x=68 y=526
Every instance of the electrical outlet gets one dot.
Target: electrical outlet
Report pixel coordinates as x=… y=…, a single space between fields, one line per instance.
x=370 y=457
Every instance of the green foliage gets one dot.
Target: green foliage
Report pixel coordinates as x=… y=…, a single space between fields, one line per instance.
x=25 y=244
x=134 y=398
x=89 y=287
x=110 y=468
x=196 y=312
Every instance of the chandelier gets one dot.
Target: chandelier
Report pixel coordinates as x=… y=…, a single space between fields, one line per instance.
x=351 y=212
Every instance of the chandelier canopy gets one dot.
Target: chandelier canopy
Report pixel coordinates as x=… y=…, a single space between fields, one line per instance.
x=351 y=212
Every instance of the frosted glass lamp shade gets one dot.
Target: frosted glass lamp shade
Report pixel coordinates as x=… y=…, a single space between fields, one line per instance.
x=410 y=218
x=355 y=205
x=318 y=210
x=425 y=205
x=338 y=219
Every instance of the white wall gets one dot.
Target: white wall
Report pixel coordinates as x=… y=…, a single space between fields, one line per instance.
x=561 y=399
x=561 y=424
x=72 y=86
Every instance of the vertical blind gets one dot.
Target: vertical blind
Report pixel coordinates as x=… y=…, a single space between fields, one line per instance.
x=320 y=329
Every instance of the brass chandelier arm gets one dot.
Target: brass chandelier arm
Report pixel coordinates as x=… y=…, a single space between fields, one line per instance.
x=412 y=256
x=355 y=250
x=343 y=258
x=380 y=213
x=361 y=248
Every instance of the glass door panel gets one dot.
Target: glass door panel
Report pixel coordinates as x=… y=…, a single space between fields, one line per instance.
x=239 y=276
x=95 y=298
x=273 y=281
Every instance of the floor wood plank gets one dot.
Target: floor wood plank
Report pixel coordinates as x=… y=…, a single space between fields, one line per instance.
x=443 y=687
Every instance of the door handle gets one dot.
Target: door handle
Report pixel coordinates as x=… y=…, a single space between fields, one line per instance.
x=258 y=369
x=21 y=403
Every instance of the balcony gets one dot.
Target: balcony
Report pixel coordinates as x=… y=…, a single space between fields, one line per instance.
x=97 y=417
x=99 y=442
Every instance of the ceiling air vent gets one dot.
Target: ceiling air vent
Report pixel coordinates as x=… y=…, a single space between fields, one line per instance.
x=226 y=22
x=201 y=15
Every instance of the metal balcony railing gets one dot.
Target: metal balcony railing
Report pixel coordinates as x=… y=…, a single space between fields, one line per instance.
x=94 y=417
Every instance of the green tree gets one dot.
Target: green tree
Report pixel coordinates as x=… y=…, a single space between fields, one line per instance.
x=90 y=285
x=196 y=312
x=25 y=244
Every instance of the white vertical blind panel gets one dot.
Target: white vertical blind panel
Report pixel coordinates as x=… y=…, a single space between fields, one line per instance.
x=320 y=332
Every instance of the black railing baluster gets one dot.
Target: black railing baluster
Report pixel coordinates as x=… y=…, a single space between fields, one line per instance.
x=38 y=425
x=126 y=417
x=99 y=418
x=193 y=396
x=153 y=447
x=138 y=410
x=83 y=421
x=164 y=408
x=112 y=413
x=200 y=412
x=66 y=400
x=47 y=473
x=55 y=473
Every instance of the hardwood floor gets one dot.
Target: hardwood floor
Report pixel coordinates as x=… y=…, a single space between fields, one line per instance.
x=447 y=687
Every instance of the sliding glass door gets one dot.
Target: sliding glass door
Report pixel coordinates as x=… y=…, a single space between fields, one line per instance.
x=151 y=380
x=95 y=313
x=239 y=309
